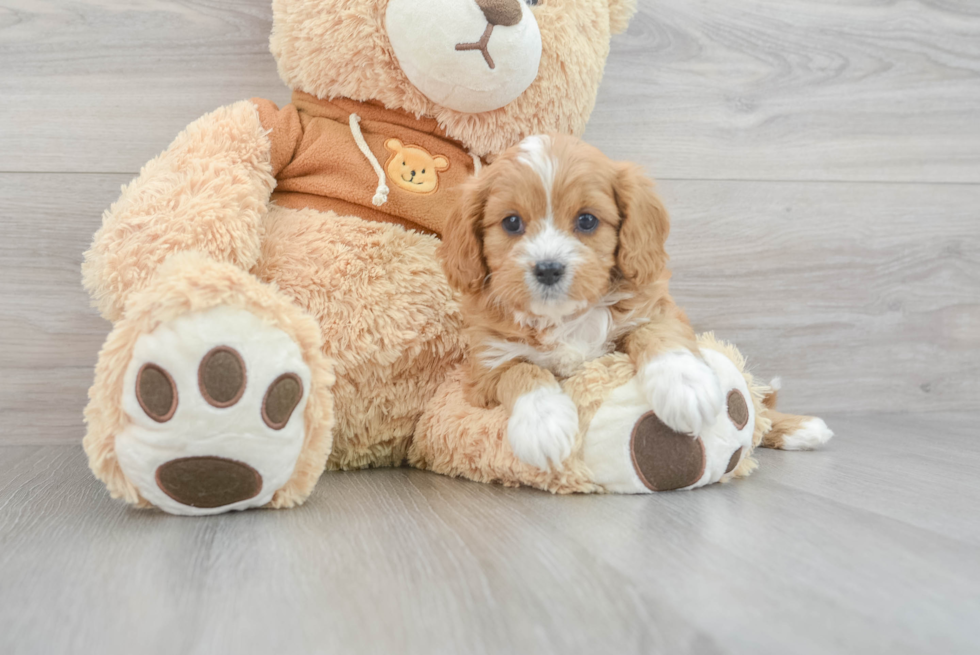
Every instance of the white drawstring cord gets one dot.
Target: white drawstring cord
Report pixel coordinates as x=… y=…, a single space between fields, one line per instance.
x=381 y=193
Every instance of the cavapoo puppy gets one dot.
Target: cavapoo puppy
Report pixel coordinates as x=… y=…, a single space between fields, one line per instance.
x=558 y=253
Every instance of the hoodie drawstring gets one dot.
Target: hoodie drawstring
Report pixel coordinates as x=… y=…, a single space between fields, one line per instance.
x=381 y=193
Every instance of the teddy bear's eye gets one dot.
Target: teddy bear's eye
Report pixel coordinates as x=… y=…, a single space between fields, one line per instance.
x=423 y=171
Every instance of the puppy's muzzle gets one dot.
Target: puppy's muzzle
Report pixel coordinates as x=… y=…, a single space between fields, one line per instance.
x=549 y=273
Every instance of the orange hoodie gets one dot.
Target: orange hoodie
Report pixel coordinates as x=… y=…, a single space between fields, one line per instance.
x=405 y=169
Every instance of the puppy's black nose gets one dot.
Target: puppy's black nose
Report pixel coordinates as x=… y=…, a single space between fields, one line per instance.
x=548 y=273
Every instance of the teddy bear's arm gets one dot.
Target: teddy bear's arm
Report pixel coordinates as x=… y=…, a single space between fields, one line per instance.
x=208 y=192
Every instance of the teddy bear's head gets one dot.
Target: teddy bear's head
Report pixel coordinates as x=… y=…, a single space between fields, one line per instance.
x=490 y=71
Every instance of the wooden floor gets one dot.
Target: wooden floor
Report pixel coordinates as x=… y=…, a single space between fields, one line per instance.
x=821 y=160
x=871 y=546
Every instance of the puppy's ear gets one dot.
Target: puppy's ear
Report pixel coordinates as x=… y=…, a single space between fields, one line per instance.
x=461 y=250
x=643 y=228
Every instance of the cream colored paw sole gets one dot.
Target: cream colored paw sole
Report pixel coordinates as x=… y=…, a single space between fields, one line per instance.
x=608 y=449
x=239 y=433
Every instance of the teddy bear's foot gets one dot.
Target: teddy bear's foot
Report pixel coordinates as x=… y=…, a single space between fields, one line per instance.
x=665 y=459
x=216 y=401
x=629 y=449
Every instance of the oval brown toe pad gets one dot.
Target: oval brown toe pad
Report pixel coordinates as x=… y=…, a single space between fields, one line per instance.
x=738 y=409
x=221 y=377
x=208 y=482
x=156 y=393
x=281 y=399
x=734 y=460
x=663 y=458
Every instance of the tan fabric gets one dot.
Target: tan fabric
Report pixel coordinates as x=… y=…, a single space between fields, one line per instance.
x=317 y=164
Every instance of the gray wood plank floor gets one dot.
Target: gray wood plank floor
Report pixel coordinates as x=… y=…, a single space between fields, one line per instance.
x=821 y=159
x=868 y=546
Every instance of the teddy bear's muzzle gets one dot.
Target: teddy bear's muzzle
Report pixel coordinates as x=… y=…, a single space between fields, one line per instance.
x=470 y=56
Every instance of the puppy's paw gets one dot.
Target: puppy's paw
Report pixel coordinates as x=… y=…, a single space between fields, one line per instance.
x=542 y=427
x=683 y=391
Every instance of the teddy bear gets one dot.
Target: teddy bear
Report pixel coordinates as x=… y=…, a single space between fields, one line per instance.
x=277 y=305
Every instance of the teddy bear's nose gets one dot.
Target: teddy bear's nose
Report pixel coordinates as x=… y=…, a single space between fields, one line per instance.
x=501 y=12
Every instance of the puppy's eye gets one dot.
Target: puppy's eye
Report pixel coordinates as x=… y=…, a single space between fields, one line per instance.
x=513 y=224
x=586 y=223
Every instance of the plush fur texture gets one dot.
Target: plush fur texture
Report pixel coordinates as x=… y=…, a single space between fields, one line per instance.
x=389 y=321
x=208 y=191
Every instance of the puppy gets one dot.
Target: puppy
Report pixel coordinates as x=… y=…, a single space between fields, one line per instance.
x=558 y=254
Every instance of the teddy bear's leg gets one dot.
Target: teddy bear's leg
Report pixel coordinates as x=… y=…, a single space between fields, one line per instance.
x=623 y=446
x=791 y=431
x=630 y=450
x=211 y=394
x=208 y=191
x=389 y=322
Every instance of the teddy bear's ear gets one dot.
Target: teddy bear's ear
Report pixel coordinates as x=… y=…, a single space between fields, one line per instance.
x=620 y=13
x=394 y=145
x=643 y=228
x=441 y=163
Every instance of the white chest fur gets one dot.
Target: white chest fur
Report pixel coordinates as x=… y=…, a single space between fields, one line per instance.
x=565 y=346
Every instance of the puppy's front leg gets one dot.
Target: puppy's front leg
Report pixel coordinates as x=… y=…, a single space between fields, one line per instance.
x=682 y=389
x=543 y=420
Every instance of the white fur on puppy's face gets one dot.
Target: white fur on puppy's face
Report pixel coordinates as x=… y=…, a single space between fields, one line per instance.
x=548 y=185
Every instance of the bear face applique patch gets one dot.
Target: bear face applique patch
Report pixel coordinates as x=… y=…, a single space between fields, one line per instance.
x=412 y=168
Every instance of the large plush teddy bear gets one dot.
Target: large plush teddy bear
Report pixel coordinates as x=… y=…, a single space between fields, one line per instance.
x=272 y=280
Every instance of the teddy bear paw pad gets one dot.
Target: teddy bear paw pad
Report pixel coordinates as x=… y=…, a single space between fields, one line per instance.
x=630 y=448
x=208 y=481
x=215 y=401
x=664 y=458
